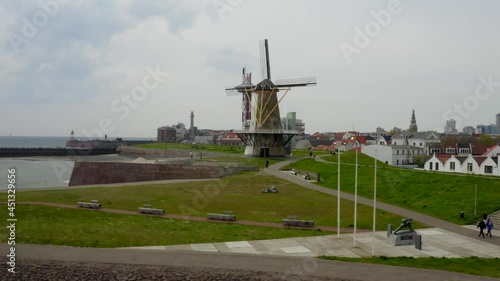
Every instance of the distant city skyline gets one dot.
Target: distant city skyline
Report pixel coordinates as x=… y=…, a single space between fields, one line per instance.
x=125 y=68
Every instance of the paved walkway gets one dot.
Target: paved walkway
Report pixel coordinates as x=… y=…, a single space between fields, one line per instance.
x=286 y=268
x=435 y=243
x=432 y=221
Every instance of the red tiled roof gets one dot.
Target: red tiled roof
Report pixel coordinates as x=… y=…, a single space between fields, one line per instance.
x=230 y=136
x=480 y=149
x=361 y=139
x=319 y=136
x=490 y=149
x=339 y=136
x=443 y=158
x=480 y=159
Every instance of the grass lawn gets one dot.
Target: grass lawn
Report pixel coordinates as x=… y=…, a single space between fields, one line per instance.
x=86 y=228
x=217 y=148
x=305 y=152
x=473 y=265
x=195 y=147
x=247 y=161
x=240 y=193
x=436 y=194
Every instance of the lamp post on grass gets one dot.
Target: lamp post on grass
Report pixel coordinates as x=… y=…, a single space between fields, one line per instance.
x=475 y=200
x=374 y=203
x=338 y=196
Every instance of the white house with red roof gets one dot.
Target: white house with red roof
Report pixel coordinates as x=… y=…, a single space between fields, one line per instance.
x=493 y=151
x=453 y=164
x=230 y=139
x=489 y=165
x=479 y=165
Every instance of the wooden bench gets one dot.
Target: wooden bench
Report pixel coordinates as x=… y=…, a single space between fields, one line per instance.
x=221 y=217
x=295 y=222
x=88 y=205
x=151 y=211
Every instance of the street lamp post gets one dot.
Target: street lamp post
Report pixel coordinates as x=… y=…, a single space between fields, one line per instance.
x=374 y=203
x=338 y=196
x=475 y=201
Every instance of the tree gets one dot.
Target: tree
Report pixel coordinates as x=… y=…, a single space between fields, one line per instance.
x=420 y=160
x=448 y=140
x=485 y=139
x=452 y=139
x=394 y=131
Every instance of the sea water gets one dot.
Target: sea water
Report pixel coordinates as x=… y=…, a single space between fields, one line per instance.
x=38 y=172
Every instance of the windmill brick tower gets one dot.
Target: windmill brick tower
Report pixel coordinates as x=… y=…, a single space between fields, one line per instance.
x=263 y=135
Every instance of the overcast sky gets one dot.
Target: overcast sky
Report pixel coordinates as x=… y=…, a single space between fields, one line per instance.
x=125 y=68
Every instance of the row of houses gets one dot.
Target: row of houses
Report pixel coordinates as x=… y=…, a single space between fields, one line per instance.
x=484 y=164
x=409 y=148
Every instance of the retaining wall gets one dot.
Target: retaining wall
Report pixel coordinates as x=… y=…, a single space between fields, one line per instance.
x=85 y=173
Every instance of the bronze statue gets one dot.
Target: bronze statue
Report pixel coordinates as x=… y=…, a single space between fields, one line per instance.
x=406 y=222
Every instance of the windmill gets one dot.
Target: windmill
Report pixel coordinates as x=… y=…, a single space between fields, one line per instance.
x=264 y=136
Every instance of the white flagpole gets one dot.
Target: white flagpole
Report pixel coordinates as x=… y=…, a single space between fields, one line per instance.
x=355 y=198
x=374 y=204
x=338 y=197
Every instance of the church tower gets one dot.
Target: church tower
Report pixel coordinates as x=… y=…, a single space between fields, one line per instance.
x=413 y=123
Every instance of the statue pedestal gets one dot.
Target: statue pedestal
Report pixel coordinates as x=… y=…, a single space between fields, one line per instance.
x=402 y=238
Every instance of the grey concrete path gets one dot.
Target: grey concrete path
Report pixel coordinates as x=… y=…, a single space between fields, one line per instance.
x=437 y=243
x=282 y=266
x=432 y=221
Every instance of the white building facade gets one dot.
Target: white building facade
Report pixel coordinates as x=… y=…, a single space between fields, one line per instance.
x=394 y=155
x=417 y=139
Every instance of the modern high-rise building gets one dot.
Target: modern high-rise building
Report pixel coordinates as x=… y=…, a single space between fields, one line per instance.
x=487 y=129
x=498 y=124
x=469 y=130
x=450 y=127
x=291 y=123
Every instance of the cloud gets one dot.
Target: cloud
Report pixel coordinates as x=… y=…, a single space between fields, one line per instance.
x=91 y=53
